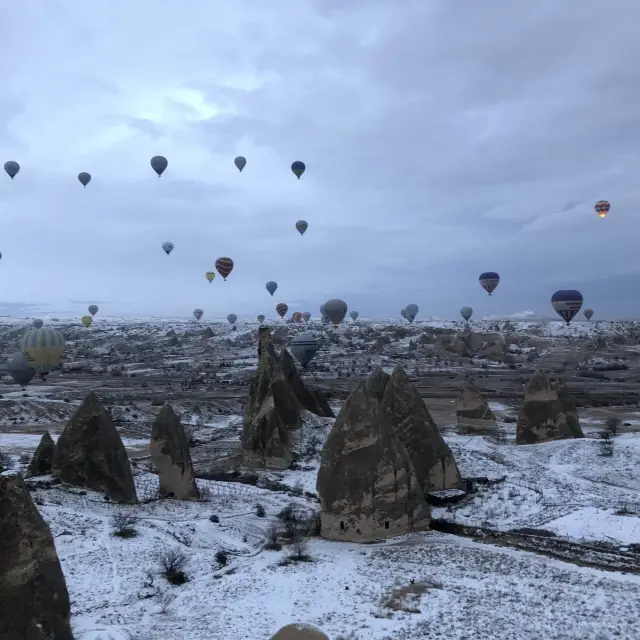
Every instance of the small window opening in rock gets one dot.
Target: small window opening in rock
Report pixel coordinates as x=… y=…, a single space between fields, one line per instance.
x=341 y=525
x=386 y=524
x=358 y=531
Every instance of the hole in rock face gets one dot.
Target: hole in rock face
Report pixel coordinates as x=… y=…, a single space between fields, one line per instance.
x=341 y=525
x=386 y=524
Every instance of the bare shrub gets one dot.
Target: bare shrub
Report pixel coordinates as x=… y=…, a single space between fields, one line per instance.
x=261 y=512
x=300 y=551
x=6 y=462
x=271 y=538
x=164 y=599
x=222 y=558
x=172 y=561
x=124 y=524
x=613 y=425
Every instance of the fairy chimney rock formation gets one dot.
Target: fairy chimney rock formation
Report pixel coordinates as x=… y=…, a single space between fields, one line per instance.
x=299 y=631
x=543 y=417
x=472 y=411
x=34 y=601
x=569 y=409
x=367 y=483
x=171 y=457
x=89 y=453
x=40 y=464
x=277 y=397
x=433 y=460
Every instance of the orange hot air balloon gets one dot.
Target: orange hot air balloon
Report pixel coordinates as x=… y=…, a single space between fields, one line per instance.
x=602 y=208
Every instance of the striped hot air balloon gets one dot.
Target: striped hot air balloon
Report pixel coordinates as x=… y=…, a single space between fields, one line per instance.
x=224 y=266
x=602 y=208
x=489 y=280
x=281 y=309
x=567 y=303
x=42 y=349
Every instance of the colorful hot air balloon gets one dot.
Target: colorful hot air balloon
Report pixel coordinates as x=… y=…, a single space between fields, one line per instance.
x=197 y=313
x=260 y=318
x=306 y=316
x=159 y=164
x=298 y=168
x=167 y=247
x=411 y=311
x=232 y=317
x=93 y=309
x=466 y=313
x=302 y=226
x=42 y=349
x=224 y=266
x=304 y=347
x=19 y=369
x=12 y=168
x=37 y=323
x=271 y=286
x=85 y=178
x=354 y=315
x=86 y=320
x=602 y=208
x=297 y=317
x=210 y=275
x=240 y=162
x=281 y=309
x=567 y=303
x=489 y=280
x=588 y=314
x=335 y=309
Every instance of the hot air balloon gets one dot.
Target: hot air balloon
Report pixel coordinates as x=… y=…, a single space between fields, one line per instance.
x=567 y=303
x=86 y=320
x=302 y=226
x=37 y=323
x=489 y=280
x=306 y=316
x=93 y=309
x=281 y=309
x=588 y=314
x=322 y=313
x=325 y=319
x=602 y=208
x=336 y=310
x=232 y=317
x=197 y=313
x=159 y=164
x=411 y=311
x=19 y=369
x=304 y=347
x=403 y=313
x=42 y=349
x=297 y=317
x=240 y=162
x=224 y=266
x=12 y=168
x=167 y=247
x=85 y=178
x=271 y=286
x=466 y=313
x=354 y=315
x=260 y=318
x=298 y=168
x=210 y=275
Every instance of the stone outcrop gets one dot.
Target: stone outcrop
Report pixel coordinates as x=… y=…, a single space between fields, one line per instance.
x=473 y=414
x=89 y=453
x=569 y=409
x=543 y=416
x=171 y=457
x=300 y=632
x=40 y=464
x=207 y=333
x=367 y=483
x=277 y=397
x=34 y=601
x=433 y=461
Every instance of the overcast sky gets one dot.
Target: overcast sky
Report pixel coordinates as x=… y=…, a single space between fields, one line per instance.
x=441 y=138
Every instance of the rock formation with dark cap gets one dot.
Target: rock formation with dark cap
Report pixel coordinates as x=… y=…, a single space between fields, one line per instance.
x=89 y=453
x=276 y=398
x=171 y=457
x=300 y=631
x=474 y=416
x=34 y=601
x=40 y=464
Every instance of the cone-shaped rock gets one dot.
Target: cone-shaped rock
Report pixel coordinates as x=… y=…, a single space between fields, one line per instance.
x=40 y=464
x=34 y=601
x=569 y=409
x=276 y=398
x=174 y=341
x=171 y=457
x=208 y=333
x=542 y=417
x=366 y=482
x=89 y=453
x=300 y=632
x=432 y=459
x=472 y=411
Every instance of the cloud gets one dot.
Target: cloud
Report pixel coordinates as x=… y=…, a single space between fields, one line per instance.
x=441 y=141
